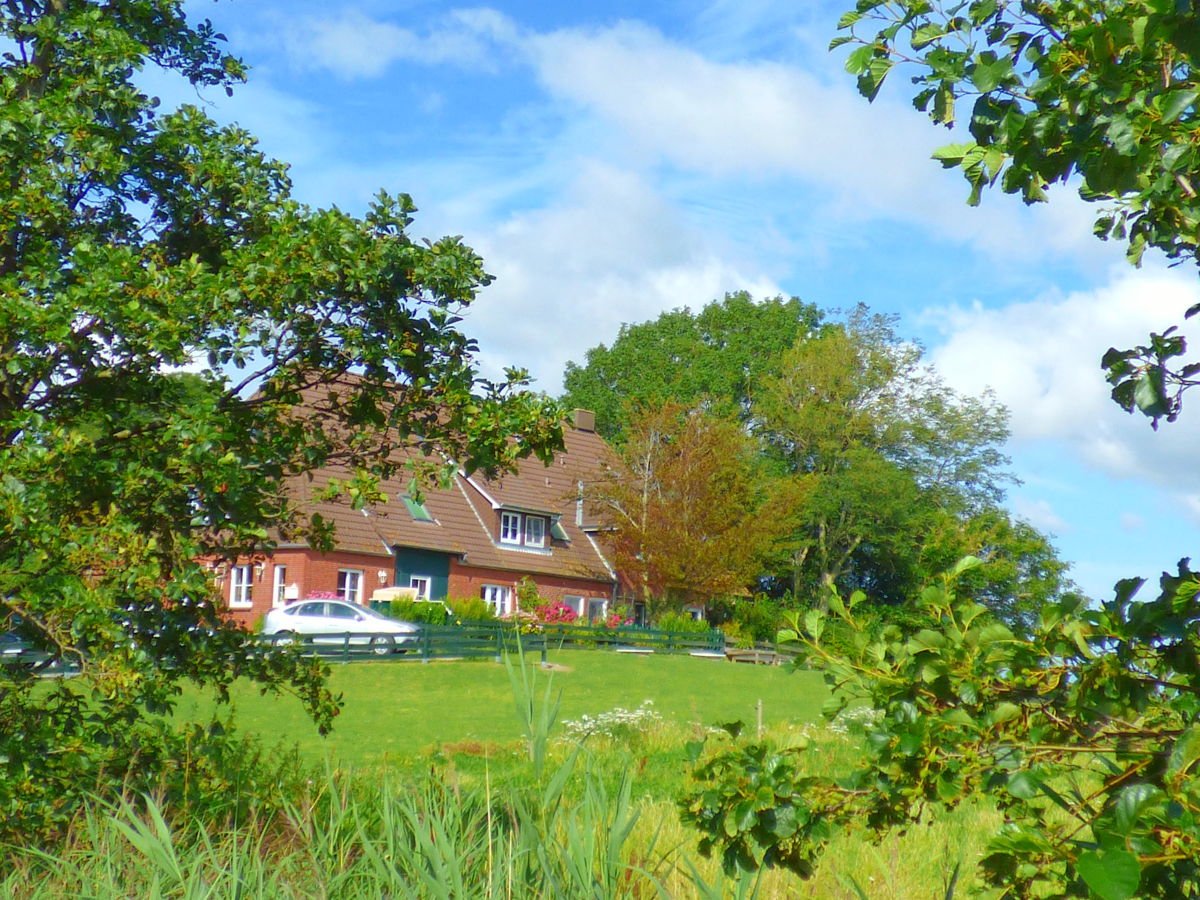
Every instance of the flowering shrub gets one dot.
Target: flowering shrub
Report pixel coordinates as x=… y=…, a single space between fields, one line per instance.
x=613 y=620
x=616 y=723
x=557 y=613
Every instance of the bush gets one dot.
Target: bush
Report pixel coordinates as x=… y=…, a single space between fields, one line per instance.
x=422 y=611
x=470 y=609
x=675 y=621
x=557 y=613
x=759 y=618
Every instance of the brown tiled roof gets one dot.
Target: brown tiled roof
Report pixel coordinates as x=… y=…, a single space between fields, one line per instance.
x=465 y=521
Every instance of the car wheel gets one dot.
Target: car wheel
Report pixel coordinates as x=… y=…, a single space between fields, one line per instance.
x=382 y=645
x=283 y=638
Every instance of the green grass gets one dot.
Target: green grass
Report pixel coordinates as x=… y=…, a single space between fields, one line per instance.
x=398 y=710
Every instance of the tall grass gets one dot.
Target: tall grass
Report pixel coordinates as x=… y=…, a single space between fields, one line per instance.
x=572 y=822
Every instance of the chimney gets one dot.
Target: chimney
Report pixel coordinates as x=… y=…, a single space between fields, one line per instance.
x=583 y=420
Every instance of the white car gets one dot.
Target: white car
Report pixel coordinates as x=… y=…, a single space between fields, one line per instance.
x=328 y=621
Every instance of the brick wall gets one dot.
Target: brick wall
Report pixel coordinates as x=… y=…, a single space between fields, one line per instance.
x=468 y=581
x=305 y=573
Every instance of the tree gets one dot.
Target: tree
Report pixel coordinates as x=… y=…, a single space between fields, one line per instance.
x=133 y=242
x=714 y=357
x=1101 y=95
x=1019 y=575
x=690 y=519
x=1083 y=730
x=882 y=444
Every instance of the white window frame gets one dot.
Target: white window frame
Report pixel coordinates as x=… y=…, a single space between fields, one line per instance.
x=535 y=524
x=279 y=586
x=423 y=584
x=498 y=597
x=577 y=603
x=510 y=528
x=603 y=601
x=241 y=586
x=350 y=585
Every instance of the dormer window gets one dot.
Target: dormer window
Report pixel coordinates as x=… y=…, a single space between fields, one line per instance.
x=510 y=528
x=535 y=531
x=523 y=529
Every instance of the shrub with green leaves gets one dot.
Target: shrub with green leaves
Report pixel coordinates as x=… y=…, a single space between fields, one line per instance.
x=470 y=609
x=136 y=240
x=682 y=622
x=420 y=611
x=1085 y=732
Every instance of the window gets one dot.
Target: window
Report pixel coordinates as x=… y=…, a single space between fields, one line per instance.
x=279 y=588
x=421 y=583
x=417 y=510
x=535 y=531
x=498 y=597
x=510 y=528
x=523 y=530
x=350 y=585
x=240 y=584
x=597 y=608
x=575 y=602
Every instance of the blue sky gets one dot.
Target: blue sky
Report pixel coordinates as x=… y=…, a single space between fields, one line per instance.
x=611 y=161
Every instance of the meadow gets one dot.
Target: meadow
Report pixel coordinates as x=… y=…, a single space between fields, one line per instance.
x=477 y=779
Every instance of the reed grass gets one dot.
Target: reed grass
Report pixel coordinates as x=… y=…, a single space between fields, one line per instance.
x=550 y=816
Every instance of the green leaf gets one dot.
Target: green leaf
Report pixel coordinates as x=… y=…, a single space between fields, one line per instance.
x=952 y=155
x=1004 y=712
x=1132 y=802
x=859 y=59
x=1185 y=751
x=927 y=34
x=965 y=565
x=1176 y=103
x=987 y=75
x=1111 y=875
x=1149 y=393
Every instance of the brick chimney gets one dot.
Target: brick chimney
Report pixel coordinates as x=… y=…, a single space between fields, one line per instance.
x=583 y=420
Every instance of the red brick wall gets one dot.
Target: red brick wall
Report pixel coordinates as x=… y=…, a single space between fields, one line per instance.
x=468 y=581
x=309 y=572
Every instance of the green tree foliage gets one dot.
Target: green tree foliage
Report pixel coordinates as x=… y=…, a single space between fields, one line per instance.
x=883 y=449
x=690 y=516
x=1097 y=95
x=715 y=356
x=132 y=241
x=1083 y=731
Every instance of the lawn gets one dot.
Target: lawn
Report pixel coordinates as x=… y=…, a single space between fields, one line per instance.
x=396 y=710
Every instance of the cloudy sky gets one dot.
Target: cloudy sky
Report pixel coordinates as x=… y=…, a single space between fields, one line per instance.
x=611 y=161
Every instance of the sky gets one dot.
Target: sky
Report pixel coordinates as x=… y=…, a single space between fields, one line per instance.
x=614 y=160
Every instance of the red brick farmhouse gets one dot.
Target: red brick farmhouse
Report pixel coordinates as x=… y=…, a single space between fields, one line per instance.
x=477 y=538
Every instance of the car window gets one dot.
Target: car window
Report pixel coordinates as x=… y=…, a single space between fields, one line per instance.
x=311 y=609
x=342 y=611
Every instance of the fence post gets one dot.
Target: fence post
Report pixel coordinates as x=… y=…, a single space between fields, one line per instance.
x=426 y=641
x=346 y=648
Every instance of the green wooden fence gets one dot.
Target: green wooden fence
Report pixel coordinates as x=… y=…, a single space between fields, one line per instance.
x=491 y=640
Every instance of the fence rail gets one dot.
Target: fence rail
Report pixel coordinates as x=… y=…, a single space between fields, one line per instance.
x=491 y=640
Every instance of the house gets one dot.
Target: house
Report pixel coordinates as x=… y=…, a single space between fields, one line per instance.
x=477 y=538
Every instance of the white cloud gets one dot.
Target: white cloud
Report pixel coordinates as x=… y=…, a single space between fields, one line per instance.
x=354 y=45
x=1132 y=522
x=568 y=275
x=1039 y=513
x=1042 y=358
x=766 y=120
